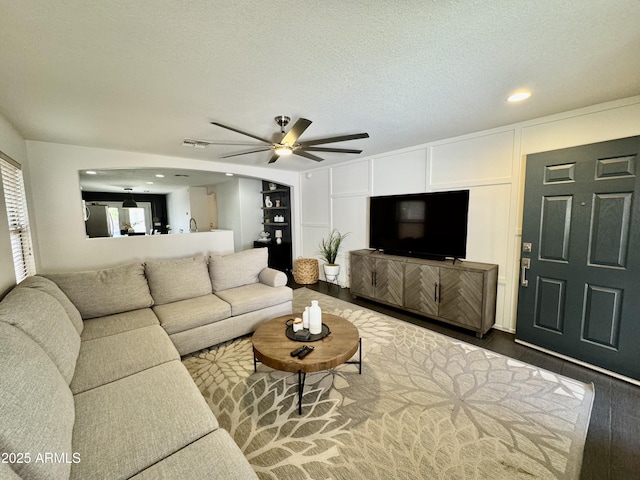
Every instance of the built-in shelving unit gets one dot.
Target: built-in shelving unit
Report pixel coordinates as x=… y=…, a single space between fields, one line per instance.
x=279 y=199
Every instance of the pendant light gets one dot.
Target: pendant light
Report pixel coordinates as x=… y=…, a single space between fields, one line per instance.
x=129 y=202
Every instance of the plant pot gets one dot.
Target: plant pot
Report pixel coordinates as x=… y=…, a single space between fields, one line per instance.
x=331 y=271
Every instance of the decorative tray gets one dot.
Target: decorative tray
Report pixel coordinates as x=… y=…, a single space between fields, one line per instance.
x=312 y=338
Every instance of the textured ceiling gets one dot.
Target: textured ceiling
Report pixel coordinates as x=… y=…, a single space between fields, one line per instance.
x=145 y=75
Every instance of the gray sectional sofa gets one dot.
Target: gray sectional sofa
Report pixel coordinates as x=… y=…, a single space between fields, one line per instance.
x=91 y=382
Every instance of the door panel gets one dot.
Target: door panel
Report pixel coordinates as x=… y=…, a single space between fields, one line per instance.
x=461 y=296
x=550 y=300
x=610 y=225
x=602 y=315
x=555 y=228
x=421 y=288
x=389 y=279
x=582 y=217
x=362 y=268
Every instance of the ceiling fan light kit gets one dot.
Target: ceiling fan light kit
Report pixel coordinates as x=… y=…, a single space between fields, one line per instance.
x=288 y=144
x=283 y=150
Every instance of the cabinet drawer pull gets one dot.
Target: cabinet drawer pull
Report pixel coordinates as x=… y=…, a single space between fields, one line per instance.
x=435 y=292
x=440 y=293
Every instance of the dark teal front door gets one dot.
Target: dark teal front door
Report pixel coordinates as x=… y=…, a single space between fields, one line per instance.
x=580 y=264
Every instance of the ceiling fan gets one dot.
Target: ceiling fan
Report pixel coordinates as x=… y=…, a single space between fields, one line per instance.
x=289 y=143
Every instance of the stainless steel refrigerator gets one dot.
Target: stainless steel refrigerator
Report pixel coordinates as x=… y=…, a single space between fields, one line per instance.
x=98 y=221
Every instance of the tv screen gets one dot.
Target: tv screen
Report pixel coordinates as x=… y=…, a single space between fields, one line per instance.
x=428 y=225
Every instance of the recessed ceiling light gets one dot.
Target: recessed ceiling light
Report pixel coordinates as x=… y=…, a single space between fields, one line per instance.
x=149 y=183
x=518 y=96
x=229 y=174
x=91 y=172
x=159 y=175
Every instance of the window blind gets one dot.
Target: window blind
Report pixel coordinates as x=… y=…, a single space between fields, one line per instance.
x=19 y=231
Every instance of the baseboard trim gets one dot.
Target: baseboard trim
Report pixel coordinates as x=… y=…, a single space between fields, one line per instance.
x=580 y=362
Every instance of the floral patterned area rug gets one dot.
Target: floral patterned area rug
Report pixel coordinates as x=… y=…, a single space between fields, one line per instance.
x=425 y=407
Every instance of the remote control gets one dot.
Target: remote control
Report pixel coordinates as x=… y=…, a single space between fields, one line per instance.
x=306 y=351
x=297 y=351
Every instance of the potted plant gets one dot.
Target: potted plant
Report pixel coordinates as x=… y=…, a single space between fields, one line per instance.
x=329 y=248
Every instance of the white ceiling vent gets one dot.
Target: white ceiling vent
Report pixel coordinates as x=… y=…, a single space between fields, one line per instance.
x=194 y=143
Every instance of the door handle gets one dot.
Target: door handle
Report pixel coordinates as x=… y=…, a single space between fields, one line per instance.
x=435 y=292
x=525 y=264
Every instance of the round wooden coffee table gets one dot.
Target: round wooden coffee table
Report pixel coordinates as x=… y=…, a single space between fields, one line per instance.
x=272 y=348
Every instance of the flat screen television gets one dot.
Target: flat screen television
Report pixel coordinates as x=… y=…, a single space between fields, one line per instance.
x=425 y=225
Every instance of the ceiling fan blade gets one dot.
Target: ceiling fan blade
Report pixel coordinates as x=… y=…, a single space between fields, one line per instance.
x=302 y=153
x=262 y=149
x=294 y=132
x=341 y=138
x=336 y=150
x=241 y=132
x=192 y=142
x=274 y=158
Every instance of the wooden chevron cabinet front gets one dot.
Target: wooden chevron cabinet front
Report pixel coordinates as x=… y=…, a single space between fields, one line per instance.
x=460 y=293
x=377 y=278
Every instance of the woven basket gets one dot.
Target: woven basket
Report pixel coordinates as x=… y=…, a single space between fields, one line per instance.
x=305 y=270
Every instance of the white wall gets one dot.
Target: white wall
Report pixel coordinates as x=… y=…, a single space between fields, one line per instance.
x=56 y=202
x=251 y=211
x=200 y=208
x=178 y=210
x=13 y=145
x=489 y=163
x=239 y=209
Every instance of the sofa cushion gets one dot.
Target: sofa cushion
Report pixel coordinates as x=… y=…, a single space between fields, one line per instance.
x=120 y=322
x=128 y=425
x=107 y=359
x=198 y=338
x=237 y=269
x=194 y=312
x=175 y=280
x=254 y=297
x=224 y=460
x=36 y=411
x=105 y=292
x=47 y=286
x=42 y=318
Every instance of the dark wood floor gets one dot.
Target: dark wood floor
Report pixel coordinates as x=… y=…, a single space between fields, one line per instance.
x=612 y=450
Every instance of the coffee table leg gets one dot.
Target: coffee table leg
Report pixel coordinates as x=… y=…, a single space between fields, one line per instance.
x=359 y=362
x=302 y=376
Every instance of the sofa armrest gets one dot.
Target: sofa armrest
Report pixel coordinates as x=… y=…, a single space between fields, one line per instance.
x=272 y=277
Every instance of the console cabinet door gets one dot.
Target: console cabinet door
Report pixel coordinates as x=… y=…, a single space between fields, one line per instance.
x=362 y=275
x=388 y=280
x=421 y=288
x=461 y=295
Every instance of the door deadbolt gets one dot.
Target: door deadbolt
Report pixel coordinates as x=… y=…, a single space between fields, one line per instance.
x=526 y=247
